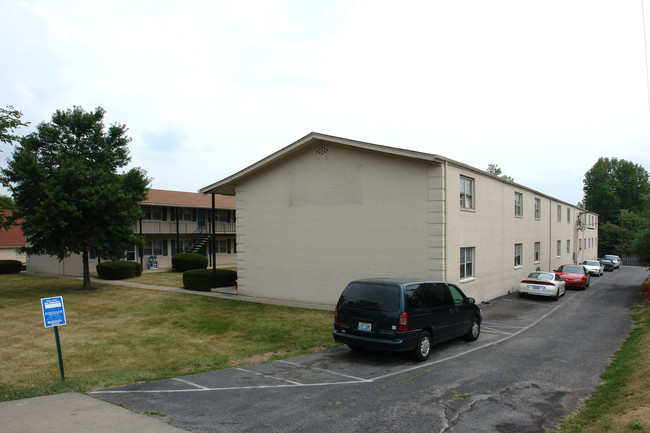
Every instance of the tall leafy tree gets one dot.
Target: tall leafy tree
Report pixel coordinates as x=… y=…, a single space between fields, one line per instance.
x=614 y=189
x=9 y=122
x=65 y=183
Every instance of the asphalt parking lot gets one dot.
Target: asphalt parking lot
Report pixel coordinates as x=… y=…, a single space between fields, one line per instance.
x=534 y=361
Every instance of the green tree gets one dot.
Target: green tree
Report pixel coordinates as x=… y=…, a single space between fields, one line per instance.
x=7 y=202
x=496 y=170
x=613 y=184
x=9 y=122
x=641 y=242
x=614 y=189
x=65 y=184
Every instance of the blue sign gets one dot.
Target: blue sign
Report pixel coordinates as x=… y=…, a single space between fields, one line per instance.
x=53 y=311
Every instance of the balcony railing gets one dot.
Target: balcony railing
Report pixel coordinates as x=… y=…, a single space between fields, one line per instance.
x=184 y=227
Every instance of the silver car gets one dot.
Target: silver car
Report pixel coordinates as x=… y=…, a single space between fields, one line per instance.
x=615 y=259
x=594 y=267
x=542 y=284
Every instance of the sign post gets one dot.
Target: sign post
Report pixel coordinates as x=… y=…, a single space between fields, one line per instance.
x=54 y=316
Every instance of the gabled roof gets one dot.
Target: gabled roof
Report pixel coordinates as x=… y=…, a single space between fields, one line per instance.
x=14 y=236
x=227 y=185
x=161 y=197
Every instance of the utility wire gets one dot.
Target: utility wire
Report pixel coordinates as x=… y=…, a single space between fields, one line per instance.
x=645 y=47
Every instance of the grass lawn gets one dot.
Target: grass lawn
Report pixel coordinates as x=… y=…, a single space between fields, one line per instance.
x=116 y=335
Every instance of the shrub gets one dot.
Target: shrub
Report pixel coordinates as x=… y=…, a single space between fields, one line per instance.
x=182 y=262
x=118 y=270
x=10 y=266
x=201 y=279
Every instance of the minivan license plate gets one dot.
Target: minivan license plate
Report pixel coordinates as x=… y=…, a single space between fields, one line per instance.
x=363 y=326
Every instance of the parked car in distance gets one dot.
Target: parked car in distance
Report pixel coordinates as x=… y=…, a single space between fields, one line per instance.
x=594 y=267
x=608 y=265
x=404 y=315
x=574 y=276
x=615 y=259
x=542 y=284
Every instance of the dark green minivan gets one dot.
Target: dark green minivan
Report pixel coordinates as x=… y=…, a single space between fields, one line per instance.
x=404 y=315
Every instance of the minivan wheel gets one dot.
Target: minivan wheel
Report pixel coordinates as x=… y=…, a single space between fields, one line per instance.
x=423 y=347
x=474 y=330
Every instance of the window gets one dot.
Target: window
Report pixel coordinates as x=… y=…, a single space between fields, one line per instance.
x=466 y=193
x=568 y=216
x=222 y=215
x=221 y=246
x=538 y=209
x=456 y=295
x=154 y=247
x=568 y=246
x=184 y=246
x=518 y=248
x=466 y=263
x=559 y=213
x=152 y=213
x=519 y=204
x=536 y=252
x=185 y=214
x=559 y=248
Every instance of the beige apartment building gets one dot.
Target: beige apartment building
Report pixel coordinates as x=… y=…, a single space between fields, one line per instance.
x=326 y=210
x=173 y=222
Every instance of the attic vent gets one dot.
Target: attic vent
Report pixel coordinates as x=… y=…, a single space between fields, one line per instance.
x=322 y=150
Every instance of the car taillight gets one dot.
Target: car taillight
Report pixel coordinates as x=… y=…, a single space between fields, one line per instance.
x=403 y=324
x=336 y=314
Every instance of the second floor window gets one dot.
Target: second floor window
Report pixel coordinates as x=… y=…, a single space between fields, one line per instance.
x=538 y=209
x=519 y=204
x=152 y=213
x=466 y=193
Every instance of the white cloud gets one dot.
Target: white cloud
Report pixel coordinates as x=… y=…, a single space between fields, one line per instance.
x=223 y=84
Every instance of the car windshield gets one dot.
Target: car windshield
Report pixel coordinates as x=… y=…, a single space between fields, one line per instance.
x=572 y=269
x=610 y=257
x=541 y=276
x=371 y=296
x=591 y=263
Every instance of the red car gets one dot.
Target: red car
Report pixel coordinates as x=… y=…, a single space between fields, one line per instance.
x=574 y=276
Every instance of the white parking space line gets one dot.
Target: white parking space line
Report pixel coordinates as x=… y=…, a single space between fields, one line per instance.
x=354 y=380
x=494 y=331
x=189 y=383
x=272 y=377
x=327 y=371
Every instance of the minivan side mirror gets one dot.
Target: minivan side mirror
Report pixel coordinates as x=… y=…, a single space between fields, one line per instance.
x=471 y=301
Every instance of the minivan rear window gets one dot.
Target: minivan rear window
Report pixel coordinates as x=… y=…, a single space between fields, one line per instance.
x=371 y=296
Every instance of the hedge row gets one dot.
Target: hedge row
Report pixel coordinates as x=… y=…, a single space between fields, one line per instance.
x=201 y=279
x=182 y=262
x=10 y=266
x=118 y=270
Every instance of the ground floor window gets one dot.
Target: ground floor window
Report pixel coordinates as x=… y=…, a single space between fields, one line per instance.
x=537 y=251
x=518 y=248
x=466 y=263
x=153 y=247
x=559 y=248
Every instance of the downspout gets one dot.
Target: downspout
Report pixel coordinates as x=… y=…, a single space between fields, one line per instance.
x=140 y=249
x=213 y=245
x=178 y=237
x=444 y=226
x=550 y=233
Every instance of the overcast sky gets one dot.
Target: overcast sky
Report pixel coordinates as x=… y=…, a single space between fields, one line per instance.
x=207 y=88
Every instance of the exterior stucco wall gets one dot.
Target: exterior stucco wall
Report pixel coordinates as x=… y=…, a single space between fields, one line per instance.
x=327 y=216
x=493 y=229
x=71 y=266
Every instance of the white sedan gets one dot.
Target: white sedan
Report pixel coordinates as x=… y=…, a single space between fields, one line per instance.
x=542 y=284
x=594 y=267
